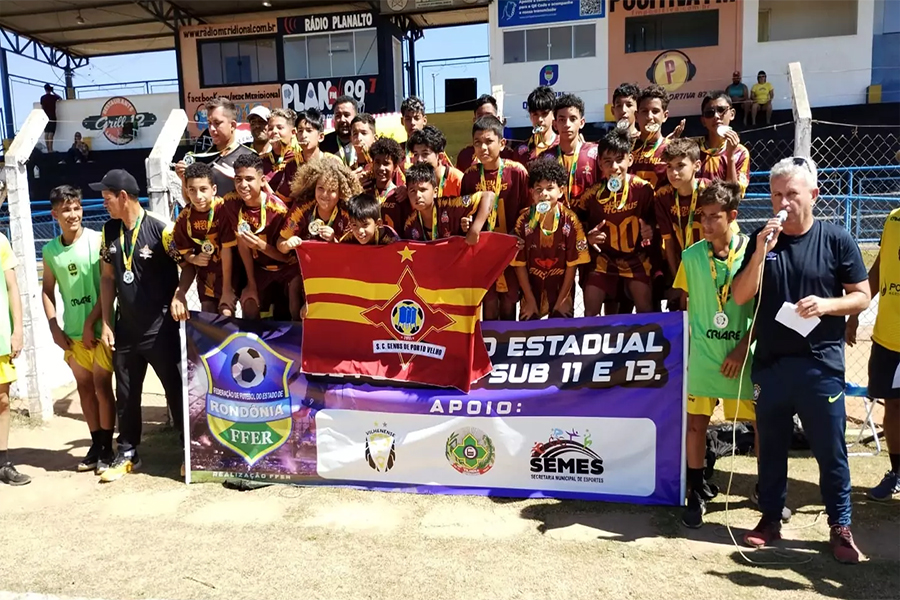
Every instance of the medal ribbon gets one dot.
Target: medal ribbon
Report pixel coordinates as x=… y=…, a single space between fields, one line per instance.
x=434 y=223
x=534 y=217
x=262 y=216
x=347 y=157
x=383 y=196
x=129 y=256
x=689 y=234
x=722 y=292
x=209 y=221
x=561 y=157
x=440 y=190
x=496 y=187
x=627 y=187
x=643 y=151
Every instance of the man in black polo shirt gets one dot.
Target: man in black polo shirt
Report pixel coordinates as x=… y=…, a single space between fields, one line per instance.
x=338 y=141
x=809 y=270
x=221 y=116
x=139 y=272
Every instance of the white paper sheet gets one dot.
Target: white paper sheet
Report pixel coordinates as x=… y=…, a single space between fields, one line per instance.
x=787 y=316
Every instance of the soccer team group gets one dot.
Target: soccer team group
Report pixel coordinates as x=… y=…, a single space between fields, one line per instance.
x=639 y=220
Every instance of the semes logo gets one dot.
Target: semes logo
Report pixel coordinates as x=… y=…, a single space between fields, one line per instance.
x=563 y=454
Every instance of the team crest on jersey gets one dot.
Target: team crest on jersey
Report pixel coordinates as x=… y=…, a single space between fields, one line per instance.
x=566 y=229
x=592 y=152
x=445 y=218
x=73 y=269
x=146 y=252
x=755 y=391
x=409 y=320
x=248 y=405
x=466 y=200
x=581 y=245
x=415 y=234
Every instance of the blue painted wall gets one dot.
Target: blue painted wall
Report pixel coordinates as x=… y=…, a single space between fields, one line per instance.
x=886 y=49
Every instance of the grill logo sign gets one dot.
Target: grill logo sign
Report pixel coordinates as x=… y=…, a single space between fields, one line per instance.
x=248 y=405
x=119 y=121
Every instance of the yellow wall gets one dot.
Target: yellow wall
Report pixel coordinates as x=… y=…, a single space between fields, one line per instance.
x=457 y=128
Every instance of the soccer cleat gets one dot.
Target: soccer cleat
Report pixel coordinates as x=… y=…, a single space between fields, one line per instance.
x=9 y=475
x=843 y=547
x=120 y=467
x=786 y=513
x=89 y=462
x=887 y=489
x=692 y=517
x=763 y=534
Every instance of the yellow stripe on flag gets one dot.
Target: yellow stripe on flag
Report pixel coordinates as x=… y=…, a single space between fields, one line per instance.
x=335 y=311
x=386 y=291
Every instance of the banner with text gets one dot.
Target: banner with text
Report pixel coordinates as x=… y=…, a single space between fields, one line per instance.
x=581 y=408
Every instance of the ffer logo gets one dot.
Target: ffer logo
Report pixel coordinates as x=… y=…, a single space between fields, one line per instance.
x=564 y=457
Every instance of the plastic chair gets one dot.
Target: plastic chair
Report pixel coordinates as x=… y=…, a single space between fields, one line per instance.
x=851 y=390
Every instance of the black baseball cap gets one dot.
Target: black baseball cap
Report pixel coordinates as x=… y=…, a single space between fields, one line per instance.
x=118 y=180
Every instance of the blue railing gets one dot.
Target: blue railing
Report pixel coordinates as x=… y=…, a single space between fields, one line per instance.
x=857 y=198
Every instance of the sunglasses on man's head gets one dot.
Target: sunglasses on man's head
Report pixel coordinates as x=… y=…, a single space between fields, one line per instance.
x=712 y=111
x=800 y=161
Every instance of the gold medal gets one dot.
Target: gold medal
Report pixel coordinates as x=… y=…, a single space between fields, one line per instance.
x=315 y=226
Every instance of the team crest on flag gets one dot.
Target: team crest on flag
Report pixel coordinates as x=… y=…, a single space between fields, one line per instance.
x=248 y=405
x=380 y=452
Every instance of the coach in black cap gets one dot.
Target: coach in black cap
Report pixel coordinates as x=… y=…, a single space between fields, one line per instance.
x=138 y=270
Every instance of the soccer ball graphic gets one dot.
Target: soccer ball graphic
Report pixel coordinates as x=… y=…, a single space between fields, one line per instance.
x=248 y=367
x=407 y=317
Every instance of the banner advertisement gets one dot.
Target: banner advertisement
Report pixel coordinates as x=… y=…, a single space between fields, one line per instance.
x=516 y=13
x=574 y=408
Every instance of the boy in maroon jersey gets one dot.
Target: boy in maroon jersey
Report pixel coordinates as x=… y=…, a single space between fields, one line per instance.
x=540 y=104
x=321 y=188
x=387 y=155
x=253 y=223
x=723 y=157
x=427 y=145
x=554 y=245
x=284 y=157
x=365 y=223
x=615 y=213
x=647 y=161
x=624 y=108
x=362 y=136
x=485 y=106
x=196 y=235
x=310 y=134
x=435 y=217
x=509 y=182
x=577 y=157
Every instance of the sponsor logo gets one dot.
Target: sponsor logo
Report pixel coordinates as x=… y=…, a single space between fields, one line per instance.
x=718 y=334
x=890 y=288
x=470 y=451
x=549 y=74
x=756 y=391
x=81 y=301
x=119 y=120
x=661 y=5
x=228 y=30
x=73 y=269
x=248 y=403
x=567 y=455
x=771 y=256
x=146 y=252
x=409 y=320
x=833 y=399
x=380 y=451
x=321 y=93
x=338 y=22
x=671 y=69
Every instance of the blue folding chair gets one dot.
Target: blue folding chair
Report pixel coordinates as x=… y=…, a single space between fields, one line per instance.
x=851 y=390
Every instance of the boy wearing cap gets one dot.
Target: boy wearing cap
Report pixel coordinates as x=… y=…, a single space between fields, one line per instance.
x=137 y=271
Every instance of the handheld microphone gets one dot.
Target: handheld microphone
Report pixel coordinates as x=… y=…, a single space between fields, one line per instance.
x=782 y=217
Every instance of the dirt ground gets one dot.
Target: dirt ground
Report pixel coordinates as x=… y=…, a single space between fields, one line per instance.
x=150 y=536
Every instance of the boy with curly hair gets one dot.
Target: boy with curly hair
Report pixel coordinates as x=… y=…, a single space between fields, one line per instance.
x=387 y=156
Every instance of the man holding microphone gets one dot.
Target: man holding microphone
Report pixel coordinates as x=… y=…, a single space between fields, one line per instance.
x=806 y=275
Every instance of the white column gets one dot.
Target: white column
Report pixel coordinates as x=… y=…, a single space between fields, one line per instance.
x=162 y=197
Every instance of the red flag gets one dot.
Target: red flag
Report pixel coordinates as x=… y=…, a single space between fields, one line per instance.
x=406 y=311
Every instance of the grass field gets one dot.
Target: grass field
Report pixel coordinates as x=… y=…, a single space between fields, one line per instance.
x=150 y=536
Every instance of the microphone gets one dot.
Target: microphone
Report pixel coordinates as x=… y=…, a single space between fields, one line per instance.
x=782 y=217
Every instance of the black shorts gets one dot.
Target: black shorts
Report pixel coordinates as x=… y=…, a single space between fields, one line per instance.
x=883 y=365
x=51 y=127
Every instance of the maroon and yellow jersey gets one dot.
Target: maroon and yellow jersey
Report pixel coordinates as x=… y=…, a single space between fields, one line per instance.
x=297 y=222
x=191 y=230
x=713 y=164
x=647 y=162
x=279 y=168
x=447 y=217
x=622 y=213
x=671 y=209
x=547 y=253
x=582 y=175
x=466 y=157
x=531 y=151
x=395 y=206
x=513 y=192
x=264 y=221
x=384 y=235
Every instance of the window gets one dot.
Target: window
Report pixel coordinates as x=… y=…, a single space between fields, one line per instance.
x=553 y=43
x=238 y=62
x=804 y=19
x=331 y=55
x=655 y=33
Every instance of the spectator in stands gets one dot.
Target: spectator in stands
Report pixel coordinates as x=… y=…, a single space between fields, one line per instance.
x=740 y=97
x=762 y=94
x=48 y=103
x=79 y=151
